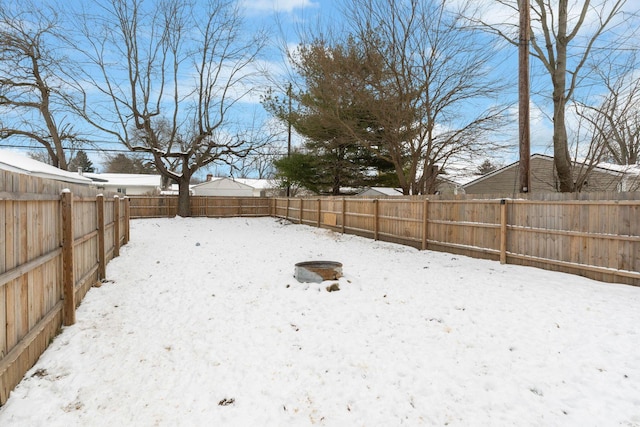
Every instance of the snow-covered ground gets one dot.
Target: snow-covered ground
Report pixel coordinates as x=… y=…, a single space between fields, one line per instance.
x=203 y=324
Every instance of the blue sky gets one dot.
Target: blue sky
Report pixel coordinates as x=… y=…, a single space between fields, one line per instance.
x=284 y=18
x=288 y=16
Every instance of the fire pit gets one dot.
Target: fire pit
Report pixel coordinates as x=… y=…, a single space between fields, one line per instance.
x=317 y=271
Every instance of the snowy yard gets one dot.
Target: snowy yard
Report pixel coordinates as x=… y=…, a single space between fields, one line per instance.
x=203 y=323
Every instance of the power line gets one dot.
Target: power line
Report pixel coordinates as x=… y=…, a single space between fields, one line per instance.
x=109 y=150
x=104 y=150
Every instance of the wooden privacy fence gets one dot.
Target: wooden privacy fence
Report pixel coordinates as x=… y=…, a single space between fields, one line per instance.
x=203 y=206
x=576 y=233
x=594 y=238
x=54 y=249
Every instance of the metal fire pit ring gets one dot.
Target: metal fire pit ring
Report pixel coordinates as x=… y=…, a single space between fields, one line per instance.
x=317 y=271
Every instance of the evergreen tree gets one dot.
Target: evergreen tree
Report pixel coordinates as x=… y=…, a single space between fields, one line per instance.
x=334 y=119
x=298 y=170
x=486 y=167
x=81 y=161
x=121 y=163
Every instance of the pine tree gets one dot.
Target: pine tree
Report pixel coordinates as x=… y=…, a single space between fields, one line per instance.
x=81 y=161
x=486 y=167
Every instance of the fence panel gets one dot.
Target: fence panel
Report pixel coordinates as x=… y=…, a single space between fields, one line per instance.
x=596 y=237
x=358 y=216
x=85 y=234
x=30 y=281
x=153 y=206
x=400 y=220
x=201 y=206
x=31 y=265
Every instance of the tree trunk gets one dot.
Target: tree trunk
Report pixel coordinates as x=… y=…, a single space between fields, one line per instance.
x=402 y=179
x=562 y=159
x=184 y=196
x=561 y=156
x=431 y=179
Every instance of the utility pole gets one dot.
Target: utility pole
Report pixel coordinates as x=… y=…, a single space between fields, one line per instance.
x=523 y=96
x=289 y=135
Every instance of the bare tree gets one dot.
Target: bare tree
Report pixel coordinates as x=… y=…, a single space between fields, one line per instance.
x=437 y=91
x=269 y=146
x=172 y=71
x=259 y=164
x=36 y=85
x=569 y=39
x=587 y=146
x=616 y=120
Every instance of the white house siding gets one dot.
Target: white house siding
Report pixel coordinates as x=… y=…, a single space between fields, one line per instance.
x=129 y=184
x=224 y=187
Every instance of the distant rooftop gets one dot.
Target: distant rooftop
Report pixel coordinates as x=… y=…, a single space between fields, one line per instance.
x=126 y=179
x=20 y=163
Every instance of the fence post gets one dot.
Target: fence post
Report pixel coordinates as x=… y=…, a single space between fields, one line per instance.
x=116 y=226
x=425 y=224
x=127 y=220
x=319 y=211
x=102 y=261
x=286 y=214
x=68 y=275
x=376 y=227
x=301 y=210
x=503 y=231
x=344 y=214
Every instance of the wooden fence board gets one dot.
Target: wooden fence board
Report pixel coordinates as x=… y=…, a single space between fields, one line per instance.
x=3 y=322
x=3 y=267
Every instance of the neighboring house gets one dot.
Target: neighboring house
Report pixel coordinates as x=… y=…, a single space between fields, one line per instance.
x=18 y=163
x=443 y=186
x=454 y=175
x=448 y=186
x=631 y=177
x=126 y=183
x=263 y=187
x=224 y=187
x=174 y=190
x=380 y=192
x=505 y=180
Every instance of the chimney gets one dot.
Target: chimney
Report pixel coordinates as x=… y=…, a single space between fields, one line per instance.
x=79 y=170
x=209 y=177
